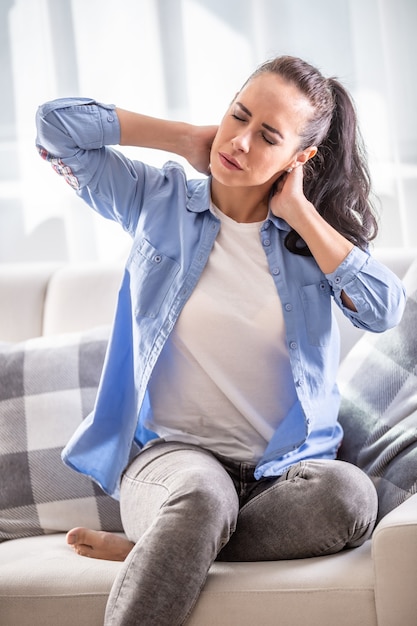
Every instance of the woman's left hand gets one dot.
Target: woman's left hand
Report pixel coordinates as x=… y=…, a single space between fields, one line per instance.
x=327 y=245
x=289 y=200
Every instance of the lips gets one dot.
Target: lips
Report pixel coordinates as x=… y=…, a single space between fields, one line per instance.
x=229 y=162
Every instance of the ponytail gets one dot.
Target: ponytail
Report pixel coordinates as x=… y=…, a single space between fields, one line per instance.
x=337 y=181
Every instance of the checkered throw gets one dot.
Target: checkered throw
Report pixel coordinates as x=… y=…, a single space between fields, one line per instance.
x=47 y=386
x=378 y=382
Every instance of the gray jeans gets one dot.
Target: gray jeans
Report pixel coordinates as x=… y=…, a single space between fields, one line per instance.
x=183 y=507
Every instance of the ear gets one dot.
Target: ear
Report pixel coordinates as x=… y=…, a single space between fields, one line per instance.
x=305 y=155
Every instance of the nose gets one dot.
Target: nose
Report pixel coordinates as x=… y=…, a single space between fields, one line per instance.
x=241 y=142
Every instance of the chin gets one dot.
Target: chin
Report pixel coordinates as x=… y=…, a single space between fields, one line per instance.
x=227 y=178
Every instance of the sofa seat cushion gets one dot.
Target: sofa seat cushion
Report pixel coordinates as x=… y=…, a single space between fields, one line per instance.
x=48 y=386
x=43 y=582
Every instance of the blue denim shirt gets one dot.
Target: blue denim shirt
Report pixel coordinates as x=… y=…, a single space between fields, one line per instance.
x=173 y=232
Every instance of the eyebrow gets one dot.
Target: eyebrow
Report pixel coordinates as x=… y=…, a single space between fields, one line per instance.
x=267 y=126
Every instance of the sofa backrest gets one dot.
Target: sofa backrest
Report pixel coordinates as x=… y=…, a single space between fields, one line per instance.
x=45 y=299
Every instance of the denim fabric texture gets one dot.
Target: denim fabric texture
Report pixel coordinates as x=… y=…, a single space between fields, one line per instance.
x=183 y=507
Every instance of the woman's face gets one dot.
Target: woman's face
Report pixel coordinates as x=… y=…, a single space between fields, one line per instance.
x=259 y=137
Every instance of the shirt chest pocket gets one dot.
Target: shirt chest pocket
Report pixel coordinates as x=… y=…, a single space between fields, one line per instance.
x=151 y=276
x=317 y=312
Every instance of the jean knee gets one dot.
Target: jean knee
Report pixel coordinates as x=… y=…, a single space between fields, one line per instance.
x=352 y=497
x=361 y=503
x=346 y=496
x=352 y=486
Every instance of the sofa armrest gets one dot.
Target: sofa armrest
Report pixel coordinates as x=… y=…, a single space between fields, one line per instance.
x=394 y=551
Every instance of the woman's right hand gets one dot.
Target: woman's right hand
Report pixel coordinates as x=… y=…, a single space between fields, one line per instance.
x=189 y=141
x=199 y=146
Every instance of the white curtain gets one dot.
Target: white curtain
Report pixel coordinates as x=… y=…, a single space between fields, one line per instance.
x=185 y=59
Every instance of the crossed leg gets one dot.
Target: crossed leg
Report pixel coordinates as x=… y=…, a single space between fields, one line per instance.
x=311 y=486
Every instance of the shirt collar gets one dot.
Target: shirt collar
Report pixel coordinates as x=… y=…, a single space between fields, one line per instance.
x=199 y=200
x=199 y=195
x=278 y=222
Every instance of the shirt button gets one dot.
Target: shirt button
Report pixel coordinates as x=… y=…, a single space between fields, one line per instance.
x=110 y=118
x=293 y=345
x=267 y=242
x=275 y=271
x=337 y=279
x=157 y=258
x=288 y=307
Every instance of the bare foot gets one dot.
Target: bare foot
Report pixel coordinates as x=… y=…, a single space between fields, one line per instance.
x=98 y=544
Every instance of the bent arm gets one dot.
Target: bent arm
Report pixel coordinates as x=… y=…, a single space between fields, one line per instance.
x=378 y=294
x=74 y=135
x=368 y=293
x=69 y=128
x=189 y=141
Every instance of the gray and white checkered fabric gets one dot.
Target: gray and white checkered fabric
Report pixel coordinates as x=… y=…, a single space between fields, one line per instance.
x=47 y=387
x=378 y=382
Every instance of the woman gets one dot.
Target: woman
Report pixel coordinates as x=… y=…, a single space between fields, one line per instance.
x=216 y=416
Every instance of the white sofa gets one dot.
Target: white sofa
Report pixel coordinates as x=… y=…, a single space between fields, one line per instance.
x=43 y=582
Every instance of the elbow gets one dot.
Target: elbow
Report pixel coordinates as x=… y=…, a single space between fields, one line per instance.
x=391 y=314
x=52 y=138
x=382 y=314
x=394 y=316
x=45 y=134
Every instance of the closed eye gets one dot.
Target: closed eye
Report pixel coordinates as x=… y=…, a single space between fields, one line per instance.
x=264 y=137
x=271 y=143
x=236 y=117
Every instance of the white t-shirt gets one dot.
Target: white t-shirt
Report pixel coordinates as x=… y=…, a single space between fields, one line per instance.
x=223 y=380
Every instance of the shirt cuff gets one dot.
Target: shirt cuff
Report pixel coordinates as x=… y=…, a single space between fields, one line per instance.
x=110 y=124
x=348 y=270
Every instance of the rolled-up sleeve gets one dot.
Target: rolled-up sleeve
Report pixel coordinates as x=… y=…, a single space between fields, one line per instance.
x=67 y=128
x=76 y=135
x=377 y=293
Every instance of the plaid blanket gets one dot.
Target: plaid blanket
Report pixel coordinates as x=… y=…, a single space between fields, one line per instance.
x=47 y=386
x=378 y=382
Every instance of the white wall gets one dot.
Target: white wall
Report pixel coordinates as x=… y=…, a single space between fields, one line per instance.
x=186 y=59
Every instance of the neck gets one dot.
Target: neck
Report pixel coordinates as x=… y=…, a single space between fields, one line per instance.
x=242 y=204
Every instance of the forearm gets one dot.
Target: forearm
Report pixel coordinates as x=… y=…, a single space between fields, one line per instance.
x=328 y=247
x=372 y=293
x=150 y=132
x=326 y=244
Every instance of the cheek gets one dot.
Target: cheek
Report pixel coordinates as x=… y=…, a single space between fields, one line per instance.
x=269 y=164
x=217 y=141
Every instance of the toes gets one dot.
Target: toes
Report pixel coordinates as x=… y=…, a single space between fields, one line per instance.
x=83 y=551
x=83 y=536
x=75 y=535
